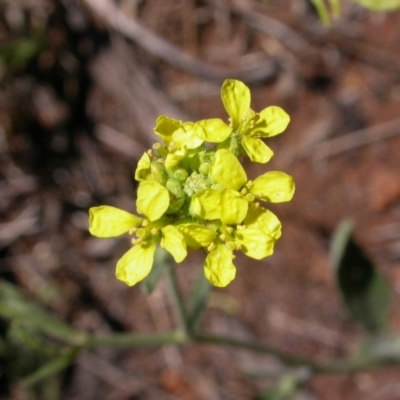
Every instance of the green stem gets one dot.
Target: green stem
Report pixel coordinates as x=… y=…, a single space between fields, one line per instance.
x=335 y=367
x=177 y=300
x=198 y=301
x=134 y=340
x=255 y=347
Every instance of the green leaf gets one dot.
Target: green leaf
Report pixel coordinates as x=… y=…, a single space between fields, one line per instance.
x=161 y=259
x=379 y=5
x=322 y=11
x=365 y=291
x=49 y=369
x=198 y=300
x=14 y=306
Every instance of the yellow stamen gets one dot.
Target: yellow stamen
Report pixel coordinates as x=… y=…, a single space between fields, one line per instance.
x=211 y=247
x=140 y=232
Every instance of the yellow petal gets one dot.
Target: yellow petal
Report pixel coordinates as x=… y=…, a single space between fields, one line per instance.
x=219 y=268
x=275 y=121
x=196 y=235
x=261 y=218
x=274 y=186
x=233 y=207
x=107 y=221
x=165 y=127
x=257 y=150
x=214 y=130
x=152 y=200
x=143 y=168
x=207 y=204
x=172 y=159
x=174 y=243
x=236 y=98
x=136 y=263
x=188 y=135
x=227 y=171
x=255 y=243
x=227 y=205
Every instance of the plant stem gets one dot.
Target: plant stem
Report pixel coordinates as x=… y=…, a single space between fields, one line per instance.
x=177 y=300
x=198 y=301
x=134 y=340
x=255 y=347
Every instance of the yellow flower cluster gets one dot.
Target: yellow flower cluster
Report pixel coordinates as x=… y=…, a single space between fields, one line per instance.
x=194 y=193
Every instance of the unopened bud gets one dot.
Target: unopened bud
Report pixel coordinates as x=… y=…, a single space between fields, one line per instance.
x=176 y=195
x=250 y=197
x=158 y=172
x=181 y=174
x=204 y=168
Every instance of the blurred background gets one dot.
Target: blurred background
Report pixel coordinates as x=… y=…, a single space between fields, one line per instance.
x=82 y=83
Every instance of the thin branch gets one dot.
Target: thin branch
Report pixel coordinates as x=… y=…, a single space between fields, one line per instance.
x=155 y=45
x=355 y=139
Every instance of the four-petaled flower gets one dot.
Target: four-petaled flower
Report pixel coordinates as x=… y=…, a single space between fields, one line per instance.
x=249 y=126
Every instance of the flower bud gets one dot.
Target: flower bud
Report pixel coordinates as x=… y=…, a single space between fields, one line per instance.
x=176 y=195
x=181 y=174
x=158 y=172
x=204 y=168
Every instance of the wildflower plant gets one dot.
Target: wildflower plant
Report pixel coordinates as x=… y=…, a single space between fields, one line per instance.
x=194 y=192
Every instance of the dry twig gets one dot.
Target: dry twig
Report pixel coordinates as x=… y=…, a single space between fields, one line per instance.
x=155 y=45
x=355 y=139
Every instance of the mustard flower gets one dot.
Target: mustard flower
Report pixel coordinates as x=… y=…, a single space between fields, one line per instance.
x=229 y=201
x=248 y=127
x=193 y=193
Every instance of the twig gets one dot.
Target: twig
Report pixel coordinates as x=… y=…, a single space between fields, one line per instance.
x=355 y=139
x=270 y=26
x=117 y=140
x=155 y=45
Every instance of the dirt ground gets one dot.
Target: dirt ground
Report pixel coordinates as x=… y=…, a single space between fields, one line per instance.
x=77 y=109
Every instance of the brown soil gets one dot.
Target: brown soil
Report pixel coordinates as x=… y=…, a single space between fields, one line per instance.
x=75 y=118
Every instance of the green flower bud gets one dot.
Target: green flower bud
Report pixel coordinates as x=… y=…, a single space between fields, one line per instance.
x=176 y=195
x=181 y=174
x=204 y=168
x=158 y=173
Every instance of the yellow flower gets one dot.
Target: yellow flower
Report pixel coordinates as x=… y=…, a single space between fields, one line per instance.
x=194 y=193
x=229 y=202
x=248 y=125
x=136 y=263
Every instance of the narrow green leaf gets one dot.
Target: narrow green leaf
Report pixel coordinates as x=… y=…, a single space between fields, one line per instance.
x=322 y=11
x=365 y=291
x=335 y=7
x=14 y=306
x=379 y=5
x=198 y=300
x=49 y=369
